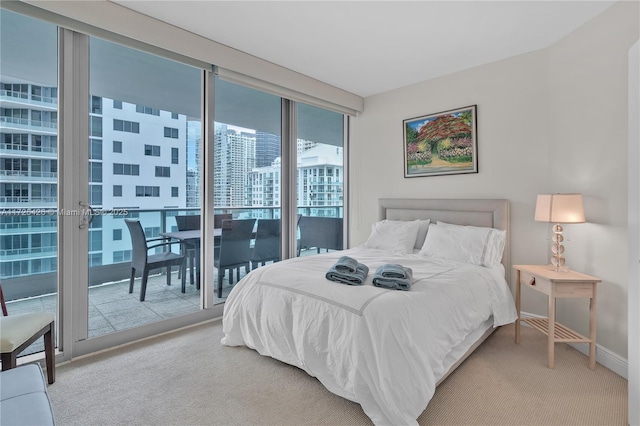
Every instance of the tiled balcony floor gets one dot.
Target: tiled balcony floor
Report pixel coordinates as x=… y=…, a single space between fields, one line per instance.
x=112 y=308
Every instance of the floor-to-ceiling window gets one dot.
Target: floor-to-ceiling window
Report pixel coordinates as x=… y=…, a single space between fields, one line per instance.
x=28 y=164
x=320 y=179
x=144 y=164
x=136 y=150
x=247 y=180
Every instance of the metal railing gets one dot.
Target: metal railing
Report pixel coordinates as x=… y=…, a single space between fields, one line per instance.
x=25 y=96
x=32 y=282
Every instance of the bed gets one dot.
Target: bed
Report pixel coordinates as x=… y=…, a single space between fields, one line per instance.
x=385 y=349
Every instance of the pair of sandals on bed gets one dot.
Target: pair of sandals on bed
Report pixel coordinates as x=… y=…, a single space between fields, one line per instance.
x=349 y=271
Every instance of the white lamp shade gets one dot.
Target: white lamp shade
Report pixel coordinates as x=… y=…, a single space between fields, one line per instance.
x=559 y=208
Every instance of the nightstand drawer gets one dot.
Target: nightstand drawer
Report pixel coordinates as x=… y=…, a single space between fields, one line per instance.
x=574 y=290
x=536 y=283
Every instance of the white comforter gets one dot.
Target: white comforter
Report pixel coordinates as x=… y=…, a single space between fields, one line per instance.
x=384 y=349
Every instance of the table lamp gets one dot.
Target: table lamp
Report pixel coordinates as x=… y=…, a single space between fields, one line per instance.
x=559 y=208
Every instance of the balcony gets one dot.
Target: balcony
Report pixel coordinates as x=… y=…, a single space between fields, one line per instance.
x=111 y=307
x=26 y=176
x=24 y=150
x=28 y=125
x=12 y=99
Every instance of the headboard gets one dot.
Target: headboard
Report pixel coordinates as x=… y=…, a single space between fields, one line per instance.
x=493 y=213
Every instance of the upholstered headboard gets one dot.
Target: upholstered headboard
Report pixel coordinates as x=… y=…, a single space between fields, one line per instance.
x=493 y=213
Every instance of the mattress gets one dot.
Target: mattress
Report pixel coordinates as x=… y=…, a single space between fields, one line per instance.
x=384 y=349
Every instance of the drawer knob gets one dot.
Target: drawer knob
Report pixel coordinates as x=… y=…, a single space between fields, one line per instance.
x=532 y=281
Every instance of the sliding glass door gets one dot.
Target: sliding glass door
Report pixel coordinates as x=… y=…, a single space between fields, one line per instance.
x=28 y=164
x=144 y=165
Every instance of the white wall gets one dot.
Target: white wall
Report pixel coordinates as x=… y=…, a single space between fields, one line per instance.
x=549 y=121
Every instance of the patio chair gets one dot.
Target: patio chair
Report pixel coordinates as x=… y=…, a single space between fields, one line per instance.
x=217 y=219
x=267 y=243
x=189 y=223
x=142 y=261
x=234 y=250
x=320 y=232
x=19 y=331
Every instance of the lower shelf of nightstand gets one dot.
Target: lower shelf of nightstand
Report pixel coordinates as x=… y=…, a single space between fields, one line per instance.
x=561 y=333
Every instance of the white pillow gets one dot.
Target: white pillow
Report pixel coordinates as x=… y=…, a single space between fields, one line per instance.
x=394 y=235
x=469 y=244
x=422 y=233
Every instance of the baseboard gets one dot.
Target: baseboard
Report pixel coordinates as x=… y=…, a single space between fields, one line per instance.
x=604 y=356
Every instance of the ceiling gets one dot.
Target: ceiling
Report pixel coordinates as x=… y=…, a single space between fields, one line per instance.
x=369 y=47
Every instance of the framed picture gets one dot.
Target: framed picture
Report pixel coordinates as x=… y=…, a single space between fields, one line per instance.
x=444 y=143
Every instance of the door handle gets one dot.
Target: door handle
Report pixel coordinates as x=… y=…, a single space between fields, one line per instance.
x=87 y=215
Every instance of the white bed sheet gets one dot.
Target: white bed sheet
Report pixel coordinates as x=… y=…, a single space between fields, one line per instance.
x=385 y=349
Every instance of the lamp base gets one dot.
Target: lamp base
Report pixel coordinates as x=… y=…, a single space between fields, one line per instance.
x=563 y=268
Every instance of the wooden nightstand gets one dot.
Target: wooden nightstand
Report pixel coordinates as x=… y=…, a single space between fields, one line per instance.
x=569 y=284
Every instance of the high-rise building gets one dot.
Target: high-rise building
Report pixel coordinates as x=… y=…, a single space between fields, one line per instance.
x=320 y=180
x=235 y=153
x=28 y=177
x=137 y=161
x=267 y=148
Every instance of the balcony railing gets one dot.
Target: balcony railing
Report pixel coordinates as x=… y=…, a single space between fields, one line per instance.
x=25 y=175
x=27 y=124
x=34 y=281
x=23 y=149
x=26 y=99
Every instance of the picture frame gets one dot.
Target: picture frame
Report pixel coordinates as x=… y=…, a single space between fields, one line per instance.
x=443 y=143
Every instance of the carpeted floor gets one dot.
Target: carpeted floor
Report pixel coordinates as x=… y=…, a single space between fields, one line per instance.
x=189 y=378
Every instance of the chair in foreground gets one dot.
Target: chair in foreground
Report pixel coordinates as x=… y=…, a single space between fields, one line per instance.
x=142 y=261
x=189 y=223
x=18 y=332
x=234 y=251
x=267 y=243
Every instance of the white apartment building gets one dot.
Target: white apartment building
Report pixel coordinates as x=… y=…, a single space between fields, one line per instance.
x=320 y=180
x=28 y=177
x=137 y=162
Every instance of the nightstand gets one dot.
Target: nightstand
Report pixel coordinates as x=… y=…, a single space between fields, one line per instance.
x=568 y=284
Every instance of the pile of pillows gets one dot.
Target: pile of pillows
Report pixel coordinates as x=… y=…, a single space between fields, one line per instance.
x=469 y=244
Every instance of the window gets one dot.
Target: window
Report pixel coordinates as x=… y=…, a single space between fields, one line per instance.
x=96 y=105
x=95 y=195
x=121 y=256
x=95 y=171
x=170 y=132
x=147 y=191
x=117 y=146
x=174 y=115
x=117 y=104
x=117 y=190
x=152 y=232
x=147 y=110
x=174 y=191
x=95 y=259
x=95 y=151
x=15 y=141
x=174 y=155
x=163 y=171
x=152 y=150
x=95 y=240
x=117 y=234
x=126 y=126
x=126 y=169
x=95 y=126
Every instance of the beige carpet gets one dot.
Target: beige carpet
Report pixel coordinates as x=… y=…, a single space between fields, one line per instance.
x=189 y=378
